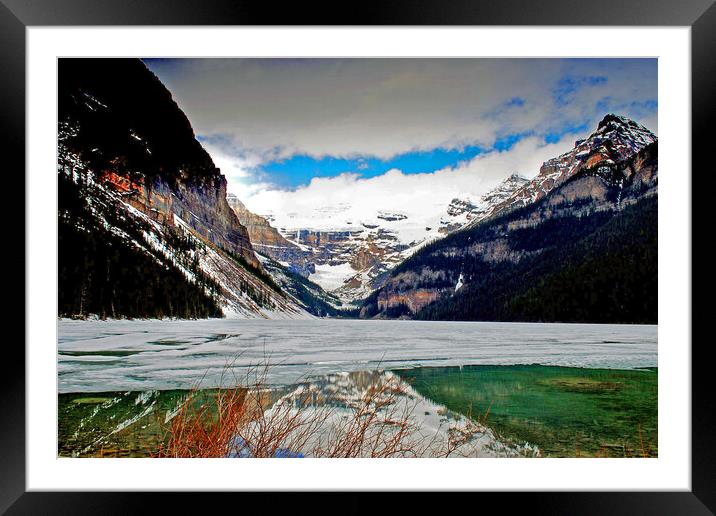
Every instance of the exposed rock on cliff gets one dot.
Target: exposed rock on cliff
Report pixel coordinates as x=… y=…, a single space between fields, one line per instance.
x=461 y=212
x=269 y=242
x=615 y=140
x=133 y=170
x=351 y=260
x=586 y=222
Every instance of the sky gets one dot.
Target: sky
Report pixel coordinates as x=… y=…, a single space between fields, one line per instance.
x=290 y=133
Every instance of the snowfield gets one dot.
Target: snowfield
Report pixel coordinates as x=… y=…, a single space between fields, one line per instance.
x=332 y=277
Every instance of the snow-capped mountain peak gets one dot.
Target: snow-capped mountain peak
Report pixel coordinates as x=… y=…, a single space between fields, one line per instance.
x=462 y=211
x=348 y=244
x=617 y=138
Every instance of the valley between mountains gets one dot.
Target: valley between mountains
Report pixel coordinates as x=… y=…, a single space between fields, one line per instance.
x=147 y=228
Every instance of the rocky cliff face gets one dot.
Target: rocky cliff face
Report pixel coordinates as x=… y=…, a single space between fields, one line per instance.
x=129 y=154
x=352 y=260
x=462 y=212
x=267 y=241
x=613 y=174
x=120 y=120
x=352 y=257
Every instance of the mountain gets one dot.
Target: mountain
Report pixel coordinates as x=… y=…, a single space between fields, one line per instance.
x=616 y=139
x=345 y=256
x=308 y=294
x=269 y=242
x=349 y=251
x=461 y=212
x=289 y=264
x=145 y=229
x=578 y=243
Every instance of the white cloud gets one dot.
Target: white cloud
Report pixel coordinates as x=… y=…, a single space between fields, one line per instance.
x=253 y=111
x=238 y=169
x=347 y=200
x=384 y=107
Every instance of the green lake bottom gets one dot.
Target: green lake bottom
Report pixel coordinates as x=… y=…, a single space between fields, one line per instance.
x=565 y=411
x=115 y=424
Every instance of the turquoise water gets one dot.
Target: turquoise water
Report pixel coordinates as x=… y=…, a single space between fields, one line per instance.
x=565 y=411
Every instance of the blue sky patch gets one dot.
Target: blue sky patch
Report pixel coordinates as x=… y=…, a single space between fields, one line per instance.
x=556 y=134
x=298 y=170
x=567 y=87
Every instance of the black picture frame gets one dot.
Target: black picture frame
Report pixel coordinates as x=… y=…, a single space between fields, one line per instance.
x=700 y=15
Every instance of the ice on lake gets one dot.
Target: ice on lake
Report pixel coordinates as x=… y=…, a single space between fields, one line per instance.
x=99 y=356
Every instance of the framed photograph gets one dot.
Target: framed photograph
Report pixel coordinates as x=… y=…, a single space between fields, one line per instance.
x=414 y=250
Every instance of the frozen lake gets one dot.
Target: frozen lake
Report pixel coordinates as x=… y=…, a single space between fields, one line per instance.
x=96 y=356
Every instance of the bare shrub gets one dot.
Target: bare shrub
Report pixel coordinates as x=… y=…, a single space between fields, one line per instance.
x=376 y=419
x=378 y=426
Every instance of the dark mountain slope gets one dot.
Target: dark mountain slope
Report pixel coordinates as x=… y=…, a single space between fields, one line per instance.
x=100 y=274
x=145 y=229
x=119 y=120
x=308 y=294
x=585 y=251
x=127 y=121
x=607 y=275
